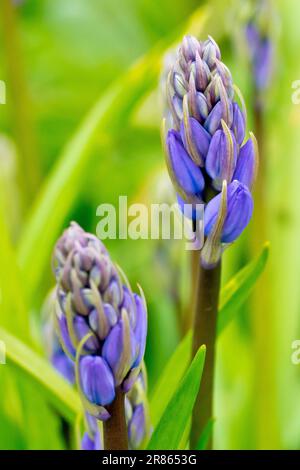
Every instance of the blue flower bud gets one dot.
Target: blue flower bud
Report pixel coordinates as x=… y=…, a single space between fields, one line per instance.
x=81 y=329
x=119 y=349
x=64 y=365
x=89 y=443
x=246 y=167
x=136 y=427
x=140 y=330
x=190 y=47
x=196 y=139
x=221 y=158
x=213 y=121
x=202 y=74
x=185 y=173
x=97 y=380
x=64 y=334
x=239 y=212
x=238 y=125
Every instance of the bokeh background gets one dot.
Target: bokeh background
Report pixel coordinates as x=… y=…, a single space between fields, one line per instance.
x=79 y=128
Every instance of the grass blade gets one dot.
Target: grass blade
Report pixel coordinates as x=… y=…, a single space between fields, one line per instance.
x=57 y=391
x=168 y=433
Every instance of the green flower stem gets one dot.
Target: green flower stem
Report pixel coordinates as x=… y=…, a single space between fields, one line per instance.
x=205 y=332
x=115 y=429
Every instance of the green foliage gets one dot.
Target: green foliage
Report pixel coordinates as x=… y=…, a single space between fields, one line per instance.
x=96 y=123
x=233 y=294
x=169 y=431
x=55 y=389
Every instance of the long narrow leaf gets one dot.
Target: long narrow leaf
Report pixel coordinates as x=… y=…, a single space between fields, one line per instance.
x=239 y=287
x=168 y=433
x=13 y=311
x=58 y=392
x=170 y=378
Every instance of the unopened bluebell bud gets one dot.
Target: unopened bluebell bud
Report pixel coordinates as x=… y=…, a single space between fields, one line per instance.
x=238 y=214
x=186 y=176
x=97 y=380
x=246 y=167
x=53 y=349
x=221 y=157
x=137 y=413
x=91 y=443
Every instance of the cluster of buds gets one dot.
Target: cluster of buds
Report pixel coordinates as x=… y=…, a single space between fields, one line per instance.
x=208 y=159
x=136 y=402
x=100 y=323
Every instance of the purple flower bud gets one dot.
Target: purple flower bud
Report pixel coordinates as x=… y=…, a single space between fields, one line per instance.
x=191 y=211
x=190 y=46
x=213 y=121
x=198 y=135
x=63 y=365
x=97 y=380
x=238 y=125
x=246 y=166
x=239 y=212
x=188 y=176
x=137 y=426
x=211 y=52
x=82 y=329
x=88 y=443
x=202 y=74
x=221 y=158
x=119 y=349
x=64 y=334
x=140 y=331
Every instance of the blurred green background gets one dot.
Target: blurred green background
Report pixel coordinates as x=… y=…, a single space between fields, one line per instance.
x=79 y=128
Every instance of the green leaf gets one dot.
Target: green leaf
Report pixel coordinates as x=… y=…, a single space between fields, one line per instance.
x=168 y=433
x=106 y=120
x=232 y=296
x=57 y=391
x=13 y=311
x=205 y=436
x=170 y=378
x=239 y=287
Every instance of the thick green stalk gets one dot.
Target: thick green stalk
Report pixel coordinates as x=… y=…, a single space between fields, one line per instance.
x=115 y=429
x=205 y=332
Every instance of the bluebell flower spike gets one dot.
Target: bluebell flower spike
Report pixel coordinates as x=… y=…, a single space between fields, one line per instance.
x=205 y=144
